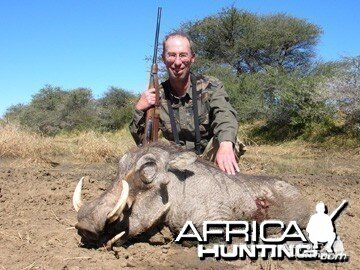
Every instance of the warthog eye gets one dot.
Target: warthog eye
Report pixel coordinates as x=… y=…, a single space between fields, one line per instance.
x=148 y=172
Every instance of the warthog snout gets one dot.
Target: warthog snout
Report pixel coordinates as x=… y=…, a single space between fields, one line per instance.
x=92 y=221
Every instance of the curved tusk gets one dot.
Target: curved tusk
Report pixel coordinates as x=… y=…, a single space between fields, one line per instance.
x=119 y=207
x=111 y=242
x=167 y=207
x=77 y=203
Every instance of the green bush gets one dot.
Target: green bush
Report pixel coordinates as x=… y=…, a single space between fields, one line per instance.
x=53 y=110
x=116 y=108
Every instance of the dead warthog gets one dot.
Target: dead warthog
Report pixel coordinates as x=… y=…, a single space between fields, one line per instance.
x=160 y=183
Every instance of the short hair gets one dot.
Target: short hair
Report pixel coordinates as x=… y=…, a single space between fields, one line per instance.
x=179 y=34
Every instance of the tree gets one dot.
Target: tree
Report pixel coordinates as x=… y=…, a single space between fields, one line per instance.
x=342 y=90
x=53 y=110
x=249 y=43
x=43 y=113
x=15 y=112
x=116 y=108
x=245 y=92
x=79 y=110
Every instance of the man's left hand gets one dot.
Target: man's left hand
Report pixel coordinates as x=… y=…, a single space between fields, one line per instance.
x=225 y=158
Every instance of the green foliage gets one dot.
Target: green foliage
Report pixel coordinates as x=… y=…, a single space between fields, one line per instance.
x=116 y=109
x=288 y=101
x=15 y=112
x=245 y=92
x=315 y=107
x=249 y=43
x=53 y=110
x=79 y=111
x=342 y=91
x=266 y=64
x=43 y=113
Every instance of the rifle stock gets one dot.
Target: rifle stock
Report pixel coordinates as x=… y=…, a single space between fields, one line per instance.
x=152 y=114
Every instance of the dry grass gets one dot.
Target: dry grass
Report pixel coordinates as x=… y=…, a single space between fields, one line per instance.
x=19 y=143
x=337 y=155
x=94 y=147
x=301 y=157
x=84 y=147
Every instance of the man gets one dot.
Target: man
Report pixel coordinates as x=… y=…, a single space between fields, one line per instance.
x=217 y=119
x=321 y=229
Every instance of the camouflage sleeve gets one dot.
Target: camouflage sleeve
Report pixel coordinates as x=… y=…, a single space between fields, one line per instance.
x=224 y=124
x=137 y=126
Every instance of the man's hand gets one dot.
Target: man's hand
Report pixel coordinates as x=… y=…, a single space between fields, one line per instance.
x=225 y=158
x=146 y=100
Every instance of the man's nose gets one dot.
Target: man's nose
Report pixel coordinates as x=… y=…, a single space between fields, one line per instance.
x=178 y=60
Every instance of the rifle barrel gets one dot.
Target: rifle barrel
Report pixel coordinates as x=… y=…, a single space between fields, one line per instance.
x=333 y=214
x=156 y=43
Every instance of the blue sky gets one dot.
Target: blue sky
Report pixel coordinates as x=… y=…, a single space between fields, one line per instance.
x=97 y=44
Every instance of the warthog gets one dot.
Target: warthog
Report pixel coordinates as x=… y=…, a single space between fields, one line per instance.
x=160 y=183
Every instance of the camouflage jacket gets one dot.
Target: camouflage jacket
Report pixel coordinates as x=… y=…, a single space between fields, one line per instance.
x=216 y=116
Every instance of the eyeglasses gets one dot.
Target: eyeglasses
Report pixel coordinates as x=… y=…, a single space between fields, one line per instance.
x=183 y=56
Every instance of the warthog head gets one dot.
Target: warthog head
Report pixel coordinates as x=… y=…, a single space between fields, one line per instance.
x=135 y=201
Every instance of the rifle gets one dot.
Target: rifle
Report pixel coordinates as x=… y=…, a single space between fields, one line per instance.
x=152 y=114
x=337 y=210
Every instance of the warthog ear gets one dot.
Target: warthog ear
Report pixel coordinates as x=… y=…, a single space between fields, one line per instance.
x=148 y=158
x=181 y=161
x=147 y=168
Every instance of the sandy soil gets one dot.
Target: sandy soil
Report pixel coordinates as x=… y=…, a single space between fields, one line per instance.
x=37 y=223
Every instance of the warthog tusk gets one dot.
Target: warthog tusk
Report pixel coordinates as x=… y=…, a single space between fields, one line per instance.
x=119 y=207
x=111 y=242
x=77 y=203
x=167 y=207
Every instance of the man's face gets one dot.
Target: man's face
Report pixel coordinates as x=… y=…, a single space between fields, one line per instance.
x=177 y=57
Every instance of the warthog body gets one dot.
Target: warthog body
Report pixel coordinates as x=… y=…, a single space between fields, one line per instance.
x=171 y=186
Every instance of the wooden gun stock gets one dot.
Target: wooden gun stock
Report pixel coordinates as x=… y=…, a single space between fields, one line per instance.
x=152 y=115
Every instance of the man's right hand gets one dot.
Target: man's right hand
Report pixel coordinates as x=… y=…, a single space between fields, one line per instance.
x=225 y=158
x=146 y=100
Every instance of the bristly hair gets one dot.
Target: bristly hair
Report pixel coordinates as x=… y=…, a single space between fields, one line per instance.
x=168 y=146
x=173 y=148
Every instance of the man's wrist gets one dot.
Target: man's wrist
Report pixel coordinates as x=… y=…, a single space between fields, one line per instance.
x=141 y=105
x=226 y=137
x=226 y=144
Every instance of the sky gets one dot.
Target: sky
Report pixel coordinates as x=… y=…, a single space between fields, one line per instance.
x=98 y=44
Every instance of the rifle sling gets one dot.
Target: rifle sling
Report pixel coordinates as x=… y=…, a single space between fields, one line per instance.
x=196 y=114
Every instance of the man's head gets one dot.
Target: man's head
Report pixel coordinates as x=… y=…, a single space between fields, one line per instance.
x=178 y=55
x=320 y=207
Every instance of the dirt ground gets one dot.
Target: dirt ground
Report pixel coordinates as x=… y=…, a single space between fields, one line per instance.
x=37 y=222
